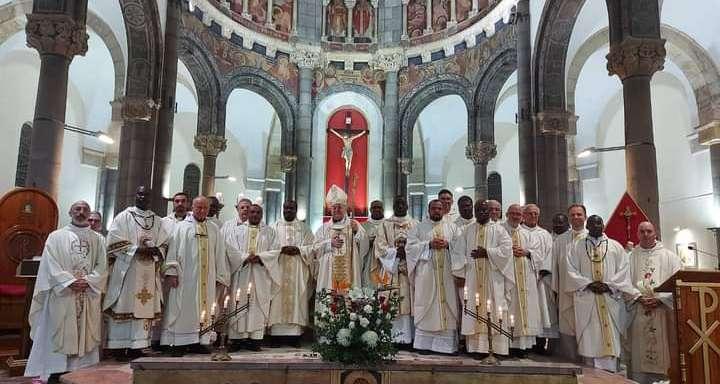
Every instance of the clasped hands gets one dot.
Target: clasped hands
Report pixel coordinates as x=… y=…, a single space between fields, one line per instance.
x=520 y=252
x=253 y=259
x=438 y=243
x=598 y=287
x=79 y=285
x=479 y=253
x=290 y=250
x=147 y=253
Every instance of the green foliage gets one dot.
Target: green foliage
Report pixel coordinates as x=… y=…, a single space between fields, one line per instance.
x=355 y=328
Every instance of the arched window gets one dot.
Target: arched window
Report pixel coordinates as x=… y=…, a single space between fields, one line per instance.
x=191 y=180
x=23 y=157
x=494 y=187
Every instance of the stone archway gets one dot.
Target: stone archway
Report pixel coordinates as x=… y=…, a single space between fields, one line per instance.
x=414 y=102
x=204 y=72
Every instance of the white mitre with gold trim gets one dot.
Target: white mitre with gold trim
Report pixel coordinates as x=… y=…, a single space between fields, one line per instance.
x=335 y=195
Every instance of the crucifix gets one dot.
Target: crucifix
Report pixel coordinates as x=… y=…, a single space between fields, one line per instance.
x=347 y=152
x=627 y=215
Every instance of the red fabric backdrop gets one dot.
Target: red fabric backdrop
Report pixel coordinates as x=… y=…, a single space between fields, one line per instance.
x=335 y=164
x=619 y=228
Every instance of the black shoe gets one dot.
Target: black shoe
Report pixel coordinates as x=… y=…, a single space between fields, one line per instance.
x=55 y=378
x=519 y=353
x=198 y=349
x=478 y=356
x=235 y=345
x=135 y=354
x=120 y=355
x=253 y=345
x=176 y=351
x=294 y=341
x=424 y=351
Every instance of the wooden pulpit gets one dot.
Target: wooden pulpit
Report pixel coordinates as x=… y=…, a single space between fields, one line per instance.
x=695 y=346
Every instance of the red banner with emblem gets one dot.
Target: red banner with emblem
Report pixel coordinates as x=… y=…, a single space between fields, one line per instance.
x=623 y=224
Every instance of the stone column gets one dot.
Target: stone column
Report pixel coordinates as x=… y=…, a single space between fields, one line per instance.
x=404 y=169
x=376 y=20
x=350 y=4
x=404 y=35
x=428 y=17
x=453 y=17
x=481 y=152
x=246 y=10
x=307 y=60
x=166 y=114
x=57 y=31
x=552 y=174
x=709 y=134
x=390 y=64
x=474 y=10
x=268 y=17
x=293 y=28
x=526 y=134
x=324 y=19
x=636 y=53
x=210 y=146
x=287 y=166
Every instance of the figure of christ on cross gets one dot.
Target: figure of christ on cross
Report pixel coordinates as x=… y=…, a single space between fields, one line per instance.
x=347 y=152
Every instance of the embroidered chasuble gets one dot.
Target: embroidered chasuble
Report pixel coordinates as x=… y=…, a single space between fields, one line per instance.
x=520 y=282
x=391 y=270
x=339 y=268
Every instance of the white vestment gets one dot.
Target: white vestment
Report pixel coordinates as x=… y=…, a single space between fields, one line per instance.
x=243 y=241
x=134 y=293
x=393 y=271
x=523 y=292
x=648 y=330
x=598 y=317
x=289 y=308
x=546 y=296
x=486 y=278
x=64 y=325
x=435 y=304
x=171 y=221
x=339 y=268
x=195 y=255
x=463 y=223
x=370 y=268
x=566 y=310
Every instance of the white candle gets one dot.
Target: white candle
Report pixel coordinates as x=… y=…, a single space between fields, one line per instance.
x=489 y=306
x=213 y=309
x=249 y=288
x=227 y=299
x=202 y=317
x=237 y=295
x=477 y=300
x=465 y=293
x=512 y=320
x=500 y=313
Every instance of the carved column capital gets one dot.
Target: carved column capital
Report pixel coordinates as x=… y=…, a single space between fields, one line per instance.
x=138 y=108
x=305 y=58
x=209 y=144
x=56 y=34
x=388 y=62
x=350 y=4
x=555 y=123
x=287 y=163
x=405 y=165
x=636 y=57
x=481 y=152
x=709 y=133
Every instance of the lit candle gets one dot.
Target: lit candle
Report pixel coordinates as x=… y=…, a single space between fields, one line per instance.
x=489 y=306
x=465 y=294
x=237 y=295
x=477 y=300
x=227 y=299
x=213 y=309
x=500 y=316
x=249 y=288
x=202 y=317
x=512 y=320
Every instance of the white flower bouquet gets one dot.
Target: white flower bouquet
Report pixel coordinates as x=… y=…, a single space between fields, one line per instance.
x=357 y=328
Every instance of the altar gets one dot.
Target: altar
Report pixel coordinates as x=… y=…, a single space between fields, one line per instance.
x=275 y=366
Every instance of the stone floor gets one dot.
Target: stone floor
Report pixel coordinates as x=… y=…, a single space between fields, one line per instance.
x=112 y=372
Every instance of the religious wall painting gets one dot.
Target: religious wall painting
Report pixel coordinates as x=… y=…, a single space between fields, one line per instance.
x=440 y=14
x=336 y=20
x=236 y=6
x=282 y=15
x=462 y=9
x=258 y=10
x=363 y=21
x=416 y=18
x=324 y=78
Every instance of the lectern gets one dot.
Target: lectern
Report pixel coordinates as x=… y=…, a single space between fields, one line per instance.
x=695 y=347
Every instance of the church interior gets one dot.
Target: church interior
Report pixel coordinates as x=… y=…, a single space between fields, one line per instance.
x=551 y=102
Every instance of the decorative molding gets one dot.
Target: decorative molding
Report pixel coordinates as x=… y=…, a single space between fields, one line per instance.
x=56 y=34
x=405 y=165
x=306 y=58
x=210 y=145
x=709 y=134
x=636 y=57
x=481 y=152
x=138 y=109
x=555 y=123
x=287 y=163
x=388 y=62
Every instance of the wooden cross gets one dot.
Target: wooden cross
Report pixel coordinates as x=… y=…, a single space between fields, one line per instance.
x=144 y=296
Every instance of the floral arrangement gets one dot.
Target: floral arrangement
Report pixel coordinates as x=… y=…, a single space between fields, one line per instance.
x=355 y=328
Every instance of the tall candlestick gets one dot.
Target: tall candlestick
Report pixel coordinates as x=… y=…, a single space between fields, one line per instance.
x=477 y=300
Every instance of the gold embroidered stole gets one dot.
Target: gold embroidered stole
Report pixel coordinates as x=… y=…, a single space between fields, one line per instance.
x=401 y=279
x=342 y=271
x=481 y=272
x=289 y=268
x=598 y=272
x=203 y=258
x=520 y=280
x=439 y=260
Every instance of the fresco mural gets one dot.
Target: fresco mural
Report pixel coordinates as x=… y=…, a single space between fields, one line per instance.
x=363 y=21
x=440 y=14
x=336 y=26
x=416 y=18
x=282 y=15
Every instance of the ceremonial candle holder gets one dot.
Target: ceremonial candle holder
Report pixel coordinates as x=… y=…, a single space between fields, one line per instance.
x=490 y=359
x=218 y=324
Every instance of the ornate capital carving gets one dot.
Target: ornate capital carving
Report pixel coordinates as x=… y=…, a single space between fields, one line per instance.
x=555 y=123
x=481 y=152
x=287 y=163
x=209 y=144
x=709 y=133
x=138 y=109
x=405 y=165
x=388 y=62
x=305 y=58
x=636 y=57
x=56 y=34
